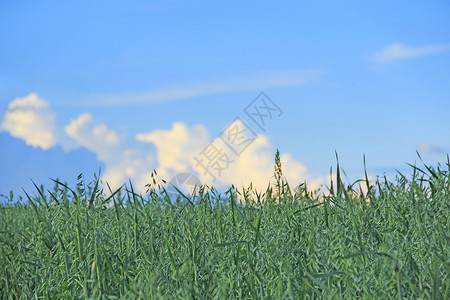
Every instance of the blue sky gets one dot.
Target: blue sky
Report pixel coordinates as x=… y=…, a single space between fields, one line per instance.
x=132 y=86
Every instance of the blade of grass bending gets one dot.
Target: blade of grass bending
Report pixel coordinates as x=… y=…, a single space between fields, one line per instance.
x=338 y=177
x=94 y=192
x=53 y=197
x=184 y=196
x=113 y=194
x=432 y=172
x=40 y=193
x=33 y=205
x=309 y=207
x=415 y=168
x=65 y=185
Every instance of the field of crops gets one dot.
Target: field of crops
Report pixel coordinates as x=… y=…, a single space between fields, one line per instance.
x=389 y=242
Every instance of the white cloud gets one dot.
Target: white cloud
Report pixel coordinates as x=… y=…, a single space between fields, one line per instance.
x=397 y=51
x=179 y=147
x=136 y=160
x=94 y=136
x=254 y=164
x=131 y=163
x=123 y=160
x=176 y=147
x=426 y=148
x=258 y=82
x=31 y=119
x=170 y=151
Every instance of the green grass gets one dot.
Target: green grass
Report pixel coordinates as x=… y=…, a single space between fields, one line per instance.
x=391 y=242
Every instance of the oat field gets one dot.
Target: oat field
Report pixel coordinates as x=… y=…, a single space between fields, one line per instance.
x=390 y=241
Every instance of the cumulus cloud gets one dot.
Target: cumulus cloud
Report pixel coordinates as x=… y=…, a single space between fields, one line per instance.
x=94 y=136
x=218 y=164
x=429 y=149
x=256 y=165
x=176 y=147
x=241 y=157
x=31 y=119
x=123 y=160
x=169 y=151
x=135 y=164
x=187 y=149
x=397 y=51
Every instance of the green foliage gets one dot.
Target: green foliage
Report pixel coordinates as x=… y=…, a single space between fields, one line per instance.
x=390 y=241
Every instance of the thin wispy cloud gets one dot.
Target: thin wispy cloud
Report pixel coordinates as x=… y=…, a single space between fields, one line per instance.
x=397 y=51
x=430 y=149
x=188 y=91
